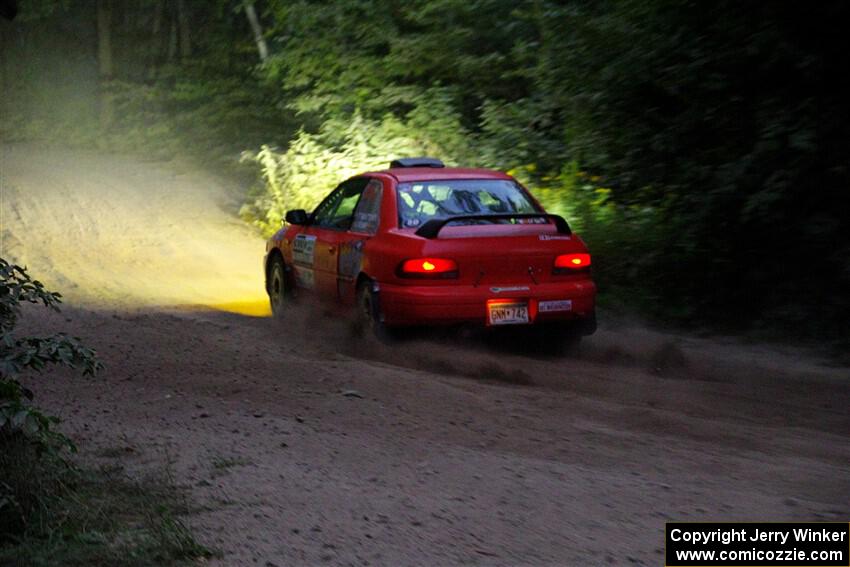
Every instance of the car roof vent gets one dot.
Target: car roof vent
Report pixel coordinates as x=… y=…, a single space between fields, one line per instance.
x=417 y=162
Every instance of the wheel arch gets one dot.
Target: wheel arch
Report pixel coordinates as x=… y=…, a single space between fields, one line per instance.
x=379 y=327
x=362 y=278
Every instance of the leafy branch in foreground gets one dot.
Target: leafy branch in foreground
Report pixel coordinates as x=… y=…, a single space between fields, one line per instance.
x=51 y=512
x=20 y=354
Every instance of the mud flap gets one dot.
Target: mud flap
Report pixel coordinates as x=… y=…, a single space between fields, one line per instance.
x=588 y=325
x=377 y=314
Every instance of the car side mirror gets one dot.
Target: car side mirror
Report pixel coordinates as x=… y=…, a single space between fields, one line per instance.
x=297 y=216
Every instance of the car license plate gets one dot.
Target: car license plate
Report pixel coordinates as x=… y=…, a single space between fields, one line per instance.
x=507 y=313
x=559 y=305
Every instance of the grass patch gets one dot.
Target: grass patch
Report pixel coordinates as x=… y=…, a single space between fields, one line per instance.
x=55 y=514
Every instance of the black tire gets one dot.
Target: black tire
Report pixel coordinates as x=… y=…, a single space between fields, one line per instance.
x=278 y=287
x=368 y=313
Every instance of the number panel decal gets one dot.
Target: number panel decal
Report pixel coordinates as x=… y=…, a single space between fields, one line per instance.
x=304 y=249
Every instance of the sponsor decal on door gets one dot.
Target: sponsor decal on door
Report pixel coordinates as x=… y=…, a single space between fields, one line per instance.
x=304 y=249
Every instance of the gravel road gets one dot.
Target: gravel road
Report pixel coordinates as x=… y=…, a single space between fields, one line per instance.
x=301 y=443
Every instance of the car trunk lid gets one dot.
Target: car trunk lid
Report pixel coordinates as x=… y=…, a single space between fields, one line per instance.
x=503 y=254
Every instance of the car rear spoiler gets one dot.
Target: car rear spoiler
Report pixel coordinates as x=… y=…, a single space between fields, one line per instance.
x=433 y=227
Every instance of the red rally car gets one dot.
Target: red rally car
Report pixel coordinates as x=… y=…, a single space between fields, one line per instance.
x=423 y=244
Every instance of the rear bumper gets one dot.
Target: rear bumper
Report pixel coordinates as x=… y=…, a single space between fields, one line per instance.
x=451 y=304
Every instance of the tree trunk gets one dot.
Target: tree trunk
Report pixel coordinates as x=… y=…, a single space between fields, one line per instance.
x=183 y=22
x=157 y=23
x=104 y=38
x=172 y=37
x=262 y=47
x=156 y=39
x=6 y=31
x=104 y=59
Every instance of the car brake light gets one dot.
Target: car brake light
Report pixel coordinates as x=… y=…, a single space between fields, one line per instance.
x=570 y=263
x=428 y=267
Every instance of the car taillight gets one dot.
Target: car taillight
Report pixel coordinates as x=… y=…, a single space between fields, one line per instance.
x=571 y=263
x=428 y=267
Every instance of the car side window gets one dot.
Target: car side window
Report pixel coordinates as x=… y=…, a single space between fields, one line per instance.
x=326 y=208
x=368 y=211
x=337 y=210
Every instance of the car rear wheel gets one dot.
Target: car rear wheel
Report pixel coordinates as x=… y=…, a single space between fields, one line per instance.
x=277 y=287
x=368 y=312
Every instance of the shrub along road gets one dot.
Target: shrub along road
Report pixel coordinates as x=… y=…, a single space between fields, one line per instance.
x=303 y=444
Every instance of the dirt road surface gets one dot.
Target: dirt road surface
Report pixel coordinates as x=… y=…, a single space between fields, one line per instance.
x=303 y=444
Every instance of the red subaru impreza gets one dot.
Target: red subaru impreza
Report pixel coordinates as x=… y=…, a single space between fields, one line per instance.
x=424 y=244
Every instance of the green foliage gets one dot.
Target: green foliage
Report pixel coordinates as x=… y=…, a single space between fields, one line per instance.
x=313 y=164
x=626 y=240
x=720 y=121
x=38 y=9
x=378 y=55
x=21 y=354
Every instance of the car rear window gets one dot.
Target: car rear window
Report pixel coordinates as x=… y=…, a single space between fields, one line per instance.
x=420 y=201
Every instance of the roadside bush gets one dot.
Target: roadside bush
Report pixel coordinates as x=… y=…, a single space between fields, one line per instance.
x=626 y=240
x=51 y=512
x=18 y=416
x=313 y=164
x=23 y=426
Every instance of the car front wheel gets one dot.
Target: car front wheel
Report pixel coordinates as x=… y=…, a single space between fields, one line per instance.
x=278 y=292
